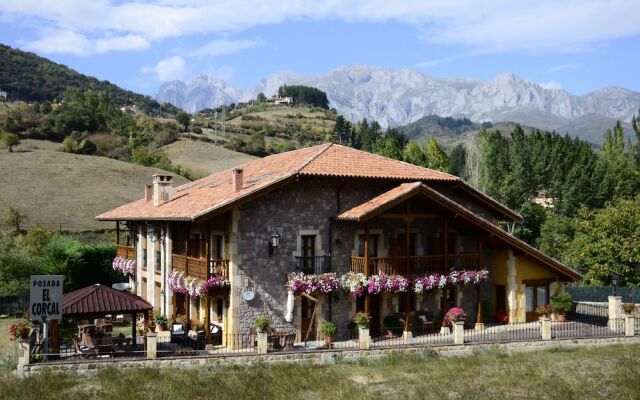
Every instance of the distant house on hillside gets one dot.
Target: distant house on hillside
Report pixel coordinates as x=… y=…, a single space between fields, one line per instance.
x=223 y=248
x=130 y=109
x=287 y=101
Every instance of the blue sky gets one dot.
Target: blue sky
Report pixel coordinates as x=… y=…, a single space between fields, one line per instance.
x=579 y=46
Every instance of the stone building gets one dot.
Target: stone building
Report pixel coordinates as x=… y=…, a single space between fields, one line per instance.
x=320 y=209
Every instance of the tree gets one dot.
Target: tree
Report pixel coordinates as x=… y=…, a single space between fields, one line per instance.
x=341 y=130
x=534 y=216
x=388 y=147
x=9 y=140
x=457 y=160
x=436 y=158
x=305 y=95
x=183 y=119
x=261 y=98
x=15 y=219
x=414 y=154
x=606 y=243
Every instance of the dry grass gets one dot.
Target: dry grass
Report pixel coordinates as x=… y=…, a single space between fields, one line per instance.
x=603 y=372
x=54 y=188
x=204 y=158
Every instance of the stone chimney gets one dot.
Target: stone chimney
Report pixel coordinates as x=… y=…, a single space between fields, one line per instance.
x=162 y=188
x=148 y=192
x=238 y=182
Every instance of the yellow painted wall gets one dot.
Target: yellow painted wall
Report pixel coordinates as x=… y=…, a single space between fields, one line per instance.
x=526 y=269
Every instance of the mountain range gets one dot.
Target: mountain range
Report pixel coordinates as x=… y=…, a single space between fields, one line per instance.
x=400 y=97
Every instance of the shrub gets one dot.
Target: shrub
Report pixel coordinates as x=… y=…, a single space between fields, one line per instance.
x=328 y=328
x=262 y=323
x=20 y=330
x=362 y=319
x=629 y=308
x=544 y=310
x=561 y=302
x=160 y=319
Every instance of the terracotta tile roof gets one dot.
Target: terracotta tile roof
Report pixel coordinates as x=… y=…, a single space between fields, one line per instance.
x=214 y=192
x=377 y=204
x=394 y=196
x=344 y=161
x=99 y=299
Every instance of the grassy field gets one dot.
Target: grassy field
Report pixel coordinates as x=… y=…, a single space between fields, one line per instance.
x=204 y=158
x=54 y=188
x=605 y=372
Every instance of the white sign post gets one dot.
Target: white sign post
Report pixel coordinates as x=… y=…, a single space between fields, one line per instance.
x=45 y=301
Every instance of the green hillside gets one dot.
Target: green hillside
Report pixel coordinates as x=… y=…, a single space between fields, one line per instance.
x=28 y=77
x=55 y=189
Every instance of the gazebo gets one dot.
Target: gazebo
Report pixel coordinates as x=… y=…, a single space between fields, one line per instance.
x=99 y=300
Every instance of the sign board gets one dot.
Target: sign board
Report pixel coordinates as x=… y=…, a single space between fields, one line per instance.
x=46 y=297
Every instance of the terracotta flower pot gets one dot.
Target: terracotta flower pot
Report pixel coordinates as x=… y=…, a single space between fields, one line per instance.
x=328 y=340
x=152 y=329
x=561 y=318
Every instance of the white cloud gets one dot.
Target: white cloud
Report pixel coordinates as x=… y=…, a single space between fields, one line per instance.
x=169 y=69
x=68 y=42
x=551 y=85
x=223 y=46
x=561 y=67
x=64 y=41
x=120 y=43
x=481 y=26
x=434 y=62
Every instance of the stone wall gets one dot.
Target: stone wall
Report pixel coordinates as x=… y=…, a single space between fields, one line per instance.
x=88 y=368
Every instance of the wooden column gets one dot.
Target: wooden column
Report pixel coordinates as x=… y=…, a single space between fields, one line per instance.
x=118 y=232
x=187 y=299
x=134 y=329
x=479 y=319
x=445 y=291
x=367 y=269
x=407 y=234
x=207 y=312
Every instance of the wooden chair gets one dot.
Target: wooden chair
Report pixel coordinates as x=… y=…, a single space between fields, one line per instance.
x=82 y=351
x=289 y=339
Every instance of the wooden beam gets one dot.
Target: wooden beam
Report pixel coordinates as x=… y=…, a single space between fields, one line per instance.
x=410 y=216
x=118 y=233
x=479 y=319
x=207 y=313
x=367 y=272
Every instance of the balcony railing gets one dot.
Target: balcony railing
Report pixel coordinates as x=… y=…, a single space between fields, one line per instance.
x=199 y=267
x=416 y=265
x=313 y=265
x=126 y=251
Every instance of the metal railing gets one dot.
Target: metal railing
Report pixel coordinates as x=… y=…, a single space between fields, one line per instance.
x=419 y=336
x=313 y=265
x=514 y=332
x=585 y=328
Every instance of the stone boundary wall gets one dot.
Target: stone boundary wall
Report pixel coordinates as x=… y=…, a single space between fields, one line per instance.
x=88 y=368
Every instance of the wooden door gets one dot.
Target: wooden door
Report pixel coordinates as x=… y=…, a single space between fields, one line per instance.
x=376 y=321
x=306 y=322
x=501 y=300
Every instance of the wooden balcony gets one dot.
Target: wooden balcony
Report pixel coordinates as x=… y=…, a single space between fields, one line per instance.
x=126 y=251
x=199 y=267
x=416 y=265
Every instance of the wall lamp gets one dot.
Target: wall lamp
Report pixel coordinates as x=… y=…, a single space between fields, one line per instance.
x=274 y=243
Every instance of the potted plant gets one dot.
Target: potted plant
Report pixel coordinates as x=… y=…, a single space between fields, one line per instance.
x=262 y=323
x=197 y=325
x=161 y=321
x=328 y=329
x=455 y=315
x=151 y=325
x=181 y=319
x=628 y=308
x=561 y=303
x=544 y=311
x=20 y=330
x=391 y=324
x=362 y=319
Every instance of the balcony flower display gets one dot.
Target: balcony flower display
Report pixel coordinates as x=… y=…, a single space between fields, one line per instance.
x=216 y=281
x=176 y=282
x=299 y=282
x=125 y=266
x=355 y=283
x=195 y=287
x=427 y=283
x=474 y=277
x=387 y=284
x=455 y=277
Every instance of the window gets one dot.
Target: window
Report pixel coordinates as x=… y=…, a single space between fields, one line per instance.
x=373 y=246
x=158 y=260
x=144 y=258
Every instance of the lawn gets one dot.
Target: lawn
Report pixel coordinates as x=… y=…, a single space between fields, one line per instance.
x=604 y=372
